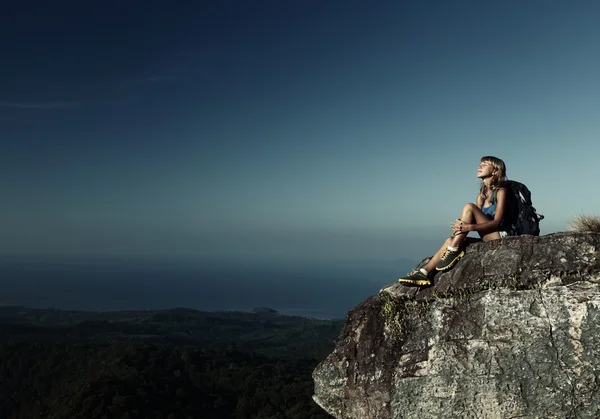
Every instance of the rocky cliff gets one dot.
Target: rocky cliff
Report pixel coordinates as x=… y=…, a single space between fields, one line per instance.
x=512 y=331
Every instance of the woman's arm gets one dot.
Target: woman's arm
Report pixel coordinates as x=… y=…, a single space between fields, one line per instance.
x=479 y=201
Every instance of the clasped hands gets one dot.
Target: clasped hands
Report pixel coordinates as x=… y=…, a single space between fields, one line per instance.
x=458 y=227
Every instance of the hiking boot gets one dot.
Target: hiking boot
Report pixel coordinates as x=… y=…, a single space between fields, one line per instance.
x=449 y=259
x=415 y=278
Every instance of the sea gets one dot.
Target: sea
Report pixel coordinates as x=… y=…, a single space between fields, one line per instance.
x=325 y=290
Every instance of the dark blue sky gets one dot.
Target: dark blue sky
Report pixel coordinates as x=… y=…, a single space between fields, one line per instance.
x=276 y=129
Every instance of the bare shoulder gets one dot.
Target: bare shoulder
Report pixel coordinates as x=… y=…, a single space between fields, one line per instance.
x=502 y=192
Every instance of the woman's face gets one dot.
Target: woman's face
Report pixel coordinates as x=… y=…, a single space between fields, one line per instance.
x=485 y=170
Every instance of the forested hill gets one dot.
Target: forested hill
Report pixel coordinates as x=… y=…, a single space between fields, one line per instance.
x=263 y=331
x=176 y=363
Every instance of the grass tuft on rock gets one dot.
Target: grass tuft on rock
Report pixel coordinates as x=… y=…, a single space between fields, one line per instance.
x=584 y=223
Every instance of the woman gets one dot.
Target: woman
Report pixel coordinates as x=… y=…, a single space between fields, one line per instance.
x=485 y=218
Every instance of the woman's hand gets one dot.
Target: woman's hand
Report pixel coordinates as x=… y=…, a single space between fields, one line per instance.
x=458 y=227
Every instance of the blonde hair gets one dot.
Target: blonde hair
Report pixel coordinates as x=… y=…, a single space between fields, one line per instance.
x=498 y=178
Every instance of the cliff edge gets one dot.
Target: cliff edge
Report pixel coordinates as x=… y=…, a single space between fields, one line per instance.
x=512 y=331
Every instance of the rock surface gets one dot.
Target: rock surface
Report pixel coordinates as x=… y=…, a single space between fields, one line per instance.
x=512 y=331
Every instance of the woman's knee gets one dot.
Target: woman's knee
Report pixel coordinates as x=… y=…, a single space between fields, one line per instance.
x=468 y=211
x=469 y=207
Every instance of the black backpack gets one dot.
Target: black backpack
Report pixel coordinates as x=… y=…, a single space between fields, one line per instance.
x=521 y=217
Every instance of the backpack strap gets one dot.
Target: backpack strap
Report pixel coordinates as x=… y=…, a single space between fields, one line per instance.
x=494 y=197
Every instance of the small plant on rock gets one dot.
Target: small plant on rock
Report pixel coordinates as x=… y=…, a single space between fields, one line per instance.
x=585 y=223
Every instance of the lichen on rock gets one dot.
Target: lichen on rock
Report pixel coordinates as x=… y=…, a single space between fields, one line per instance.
x=393 y=317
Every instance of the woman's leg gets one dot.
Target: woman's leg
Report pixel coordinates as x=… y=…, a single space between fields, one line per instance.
x=430 y=266
x=471 y=214
x=445 y=258
x=419 y=278
x=435 y=259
